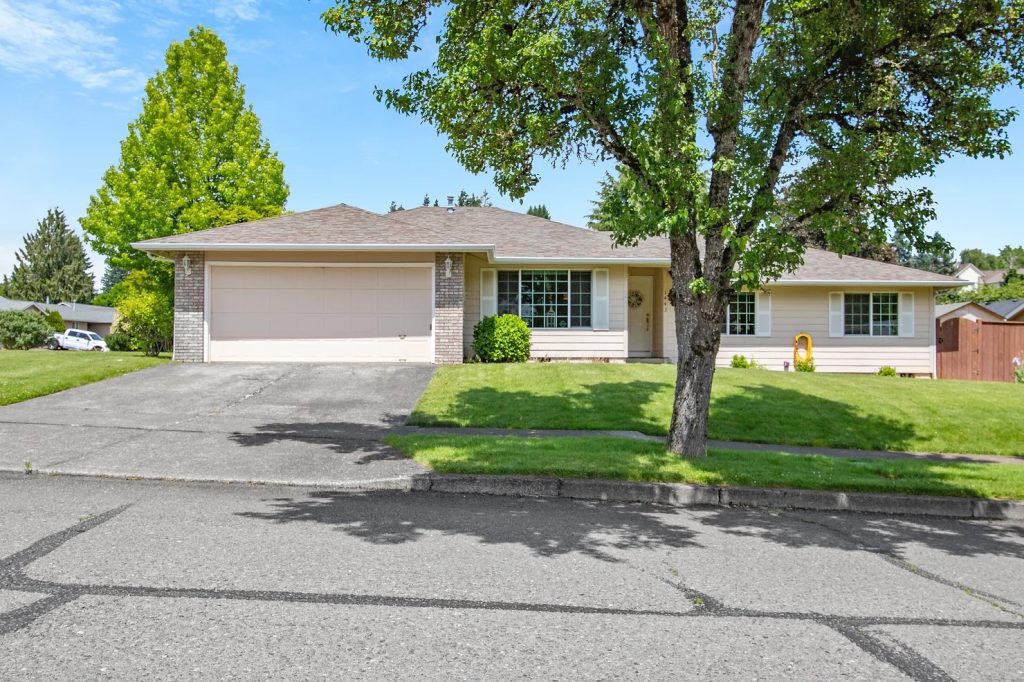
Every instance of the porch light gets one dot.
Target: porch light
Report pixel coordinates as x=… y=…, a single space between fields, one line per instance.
x=448 y=266
x=186 y=264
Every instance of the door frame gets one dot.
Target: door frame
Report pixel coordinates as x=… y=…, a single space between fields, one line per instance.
x=649 y=352
x=208 y=271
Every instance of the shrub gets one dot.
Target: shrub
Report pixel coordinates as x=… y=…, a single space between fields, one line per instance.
x=739 y=362
x=145 y=313
x=501 y=338
x=1018 y=369
x=55 y=321
x=804 y=365
x=120 y=341
x=21 y=329
x=887 y=371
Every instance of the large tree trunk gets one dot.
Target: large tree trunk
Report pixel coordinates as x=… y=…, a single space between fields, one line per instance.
x=698 y=338
x=698 y=319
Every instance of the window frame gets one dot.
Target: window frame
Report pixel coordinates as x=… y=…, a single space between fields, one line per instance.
x=753 y=314
x=570 y=302
x=871 y=322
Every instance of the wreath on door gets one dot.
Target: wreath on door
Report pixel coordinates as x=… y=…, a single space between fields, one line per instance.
x=636 y=299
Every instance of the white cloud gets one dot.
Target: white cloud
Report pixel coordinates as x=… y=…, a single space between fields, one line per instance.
x=240 y=10
x=65 y=37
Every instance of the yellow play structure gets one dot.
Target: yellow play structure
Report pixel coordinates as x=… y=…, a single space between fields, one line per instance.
x=808 y=348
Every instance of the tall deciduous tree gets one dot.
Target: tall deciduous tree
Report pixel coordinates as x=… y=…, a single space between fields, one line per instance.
x=52 y=265
x=195 y=158
x=713 y=110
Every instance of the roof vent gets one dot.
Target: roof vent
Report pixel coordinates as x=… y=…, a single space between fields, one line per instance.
x=451 y=204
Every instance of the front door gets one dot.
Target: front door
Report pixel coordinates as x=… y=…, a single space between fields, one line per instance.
x=641 y=307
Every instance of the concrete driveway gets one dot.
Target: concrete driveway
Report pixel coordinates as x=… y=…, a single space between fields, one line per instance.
x=240 y=422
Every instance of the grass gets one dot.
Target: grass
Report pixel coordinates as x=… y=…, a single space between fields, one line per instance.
x=615 y=458
x=824 y=410
x=26 y=374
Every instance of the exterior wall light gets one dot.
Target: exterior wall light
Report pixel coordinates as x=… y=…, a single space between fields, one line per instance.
x=448 y=266
x=186 y=264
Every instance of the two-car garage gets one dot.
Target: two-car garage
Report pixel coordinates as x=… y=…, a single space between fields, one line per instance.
x=317 y=312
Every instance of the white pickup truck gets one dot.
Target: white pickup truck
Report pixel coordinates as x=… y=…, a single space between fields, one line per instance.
x=77 y=339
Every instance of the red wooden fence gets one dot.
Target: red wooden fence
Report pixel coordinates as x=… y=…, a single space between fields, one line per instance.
x=978 y=351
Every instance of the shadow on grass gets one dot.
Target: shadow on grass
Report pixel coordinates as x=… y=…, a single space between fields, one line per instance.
x=545 y=527
x=763 y=415
x=768 y=414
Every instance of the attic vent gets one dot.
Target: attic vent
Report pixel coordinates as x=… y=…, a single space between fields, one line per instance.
x=451 y=204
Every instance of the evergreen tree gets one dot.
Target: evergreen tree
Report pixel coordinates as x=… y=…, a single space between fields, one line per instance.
x=467 y=199
x=195 y=158
x=112 y=276
x=541 y=211
x=52 y=265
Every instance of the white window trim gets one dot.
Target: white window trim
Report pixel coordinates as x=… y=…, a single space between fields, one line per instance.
x=871 y=315
x=519 y=296
x=728 y=315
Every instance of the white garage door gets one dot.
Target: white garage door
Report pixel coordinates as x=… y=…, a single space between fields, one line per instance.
x=320 y=314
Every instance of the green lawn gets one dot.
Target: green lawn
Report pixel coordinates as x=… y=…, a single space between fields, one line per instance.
x=615 y=458
x=826 y=410
x=28 y=374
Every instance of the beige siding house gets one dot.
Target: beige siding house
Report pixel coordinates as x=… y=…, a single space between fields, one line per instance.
x=341 y=284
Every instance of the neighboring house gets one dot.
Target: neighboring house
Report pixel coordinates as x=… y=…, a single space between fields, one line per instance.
x=94 y=318
x=966 y=309
x=344 y=284
x=1011 y=310
x=977 y=277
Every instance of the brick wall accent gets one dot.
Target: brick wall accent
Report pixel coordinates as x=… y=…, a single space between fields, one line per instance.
x=189 y=294
x=449 y=302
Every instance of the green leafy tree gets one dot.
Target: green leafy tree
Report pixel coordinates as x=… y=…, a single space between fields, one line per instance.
x=145 y=312
x=195 y=158
x=55 y=321
x=1008 y=257
x=23 y=329
x=468 y=199
x=52 y=265
x=541 y=211
x=936 y=255
x=1013 y=277
x=712 y=111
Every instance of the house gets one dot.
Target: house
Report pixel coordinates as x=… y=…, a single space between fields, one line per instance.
x=966 y=309
x=977 y=277
x=1011 y=310
x=345 y=284
x=94 y=318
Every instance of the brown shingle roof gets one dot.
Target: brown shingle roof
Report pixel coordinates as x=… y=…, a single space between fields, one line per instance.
x=508 y=236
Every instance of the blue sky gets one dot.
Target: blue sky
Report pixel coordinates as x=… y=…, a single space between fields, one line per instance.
x=72 y=76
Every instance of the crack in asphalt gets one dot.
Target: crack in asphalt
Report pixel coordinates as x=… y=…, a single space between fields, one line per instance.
x=894 y=559
x=854 y=629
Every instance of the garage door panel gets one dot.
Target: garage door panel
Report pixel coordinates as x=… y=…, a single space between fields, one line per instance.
x=317 y=314
x=239 y=326
x=294 y=300
x=296 y=278
x=240 y=278
x=237 y=301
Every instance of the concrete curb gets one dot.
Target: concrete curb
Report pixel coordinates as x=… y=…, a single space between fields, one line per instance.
x=599 y=490
x=685 y=495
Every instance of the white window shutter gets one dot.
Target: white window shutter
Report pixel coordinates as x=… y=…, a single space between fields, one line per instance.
x=599 y=299
x=906 y=315
x=835 y=313
x=763 y=313
x=488 y=292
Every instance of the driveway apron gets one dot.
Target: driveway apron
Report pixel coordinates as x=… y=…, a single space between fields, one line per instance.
x=288 y=423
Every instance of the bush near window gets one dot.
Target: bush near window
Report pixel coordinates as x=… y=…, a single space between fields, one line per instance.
x=21 y=330
x=887 y=371
x=55 y=321
x=740 y=363
x=804 y=365
x=501 y=338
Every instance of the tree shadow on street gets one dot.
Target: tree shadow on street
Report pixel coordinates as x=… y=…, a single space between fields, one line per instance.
x=546 y=527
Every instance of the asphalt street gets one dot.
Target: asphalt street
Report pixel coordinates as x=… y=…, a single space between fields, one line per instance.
x=129 y=579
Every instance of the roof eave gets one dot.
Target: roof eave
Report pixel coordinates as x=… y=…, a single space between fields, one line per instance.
x=869 y=282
